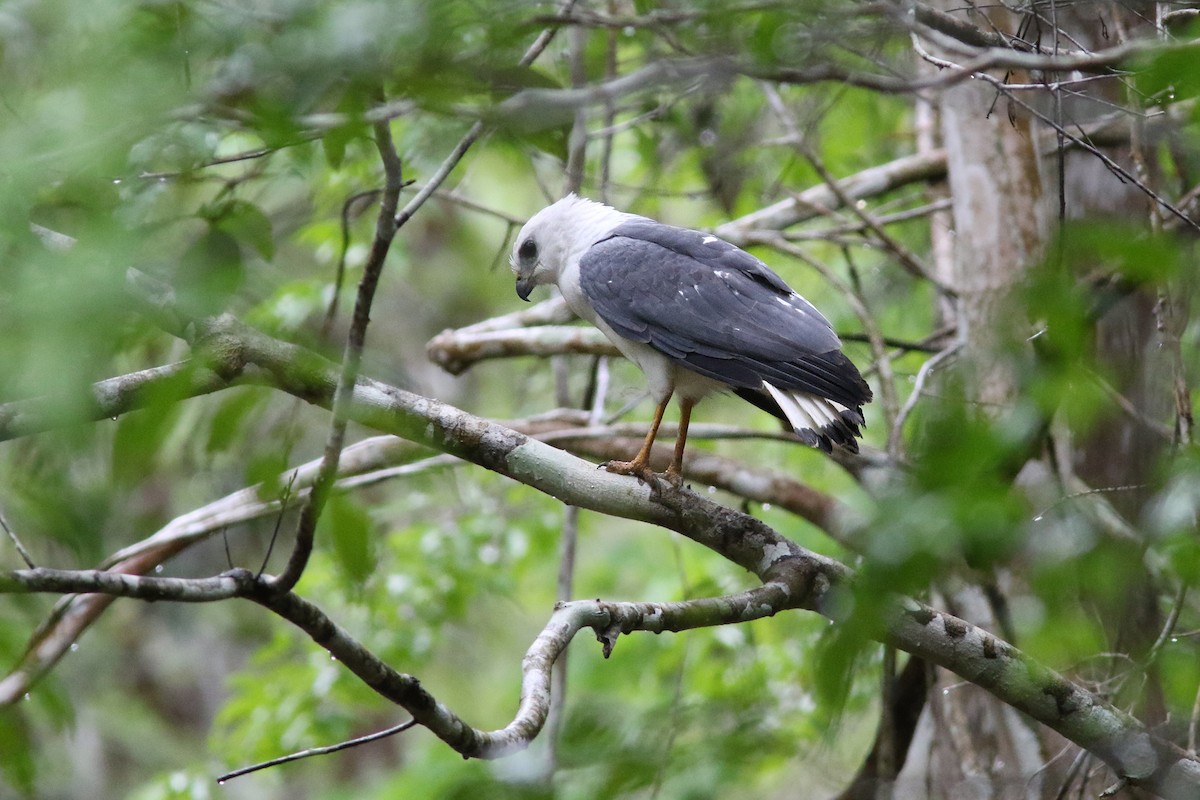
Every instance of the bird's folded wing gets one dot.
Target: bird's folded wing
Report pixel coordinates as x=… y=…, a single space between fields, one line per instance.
x=715 y=309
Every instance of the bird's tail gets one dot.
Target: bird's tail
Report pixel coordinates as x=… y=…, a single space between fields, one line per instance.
x=819 y=421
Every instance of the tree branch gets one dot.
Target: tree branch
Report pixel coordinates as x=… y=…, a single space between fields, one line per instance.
x=819 y=199
x=109 y=398
x=608 y=620
x=117 y=584
x=988 y=58
x=75 y=613
x=385 y=230
x=805 y=579
x=378 y=458
x=388 y=222
x=538 y=109
x=457 y=350
x=927 y=167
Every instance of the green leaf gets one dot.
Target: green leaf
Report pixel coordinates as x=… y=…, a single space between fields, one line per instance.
x=352 y=104
x=838 y=656
x=266 y=470
x=17 y=765
x=210 y=272
x=333 y=144
x=228 y=420
x=139 y=439
x=248 y=224
x=348 y=527
x=1171 y=76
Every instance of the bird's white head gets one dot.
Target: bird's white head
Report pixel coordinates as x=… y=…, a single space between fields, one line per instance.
x=558 y=236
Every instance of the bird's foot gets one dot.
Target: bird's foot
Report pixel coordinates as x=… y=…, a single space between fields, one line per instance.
x=643 y=473
x=639 y=469
x=673 y=477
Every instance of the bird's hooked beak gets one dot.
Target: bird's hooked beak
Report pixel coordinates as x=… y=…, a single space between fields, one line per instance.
x=524 y=286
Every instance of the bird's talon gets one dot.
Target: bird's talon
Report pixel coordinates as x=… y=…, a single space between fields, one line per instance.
x=640 y=471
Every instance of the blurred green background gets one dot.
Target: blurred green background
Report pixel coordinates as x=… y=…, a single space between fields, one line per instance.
x=214 y=145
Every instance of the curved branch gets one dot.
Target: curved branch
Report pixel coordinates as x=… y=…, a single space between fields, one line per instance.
x=374 y=459
x=608 y=620
x=809 y=578
x=914 y=627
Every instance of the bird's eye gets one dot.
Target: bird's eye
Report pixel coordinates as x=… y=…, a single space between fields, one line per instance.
x=527 y=250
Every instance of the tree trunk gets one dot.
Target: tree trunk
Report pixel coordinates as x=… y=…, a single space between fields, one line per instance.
x=968 y=744
x=1005 y=194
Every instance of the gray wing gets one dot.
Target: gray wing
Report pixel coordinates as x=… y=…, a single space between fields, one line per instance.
x=717 y=310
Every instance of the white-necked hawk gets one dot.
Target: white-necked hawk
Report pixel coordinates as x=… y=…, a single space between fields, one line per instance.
x=697 y=315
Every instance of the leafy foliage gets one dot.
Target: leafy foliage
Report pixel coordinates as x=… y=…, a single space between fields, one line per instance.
x=228 y=149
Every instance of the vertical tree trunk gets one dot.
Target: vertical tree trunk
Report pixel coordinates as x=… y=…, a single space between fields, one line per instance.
x=1001 y=227
x=1004 y=196
x=969 y=745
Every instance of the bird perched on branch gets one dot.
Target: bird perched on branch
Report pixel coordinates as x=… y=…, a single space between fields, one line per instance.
x=697 y=315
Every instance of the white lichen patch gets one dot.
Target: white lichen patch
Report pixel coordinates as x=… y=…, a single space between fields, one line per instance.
x=771 y=554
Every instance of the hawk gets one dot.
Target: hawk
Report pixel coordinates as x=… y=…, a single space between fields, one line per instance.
x=697 y=315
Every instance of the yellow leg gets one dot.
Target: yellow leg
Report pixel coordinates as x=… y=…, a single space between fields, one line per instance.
x=674 y=472
x=640 y=466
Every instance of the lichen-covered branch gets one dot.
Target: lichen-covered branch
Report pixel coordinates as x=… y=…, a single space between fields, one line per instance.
x=807 y=580
x=941 y=639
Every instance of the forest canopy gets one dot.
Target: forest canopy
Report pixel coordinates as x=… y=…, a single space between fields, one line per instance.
x=284 y=460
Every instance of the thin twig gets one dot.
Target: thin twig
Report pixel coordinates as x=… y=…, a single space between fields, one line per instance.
x=858 y=226
x=452 y=196
x=1172 y=620
x=1081 y=142
x=908 y=261
x=340 y=274
x=896 y=434
x=385 y=231
x=1126 y=405
x=21 y=551
x=319 y=751
x=473 y=133
x=924 y=346
x=283 y=500
x=440 y=461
